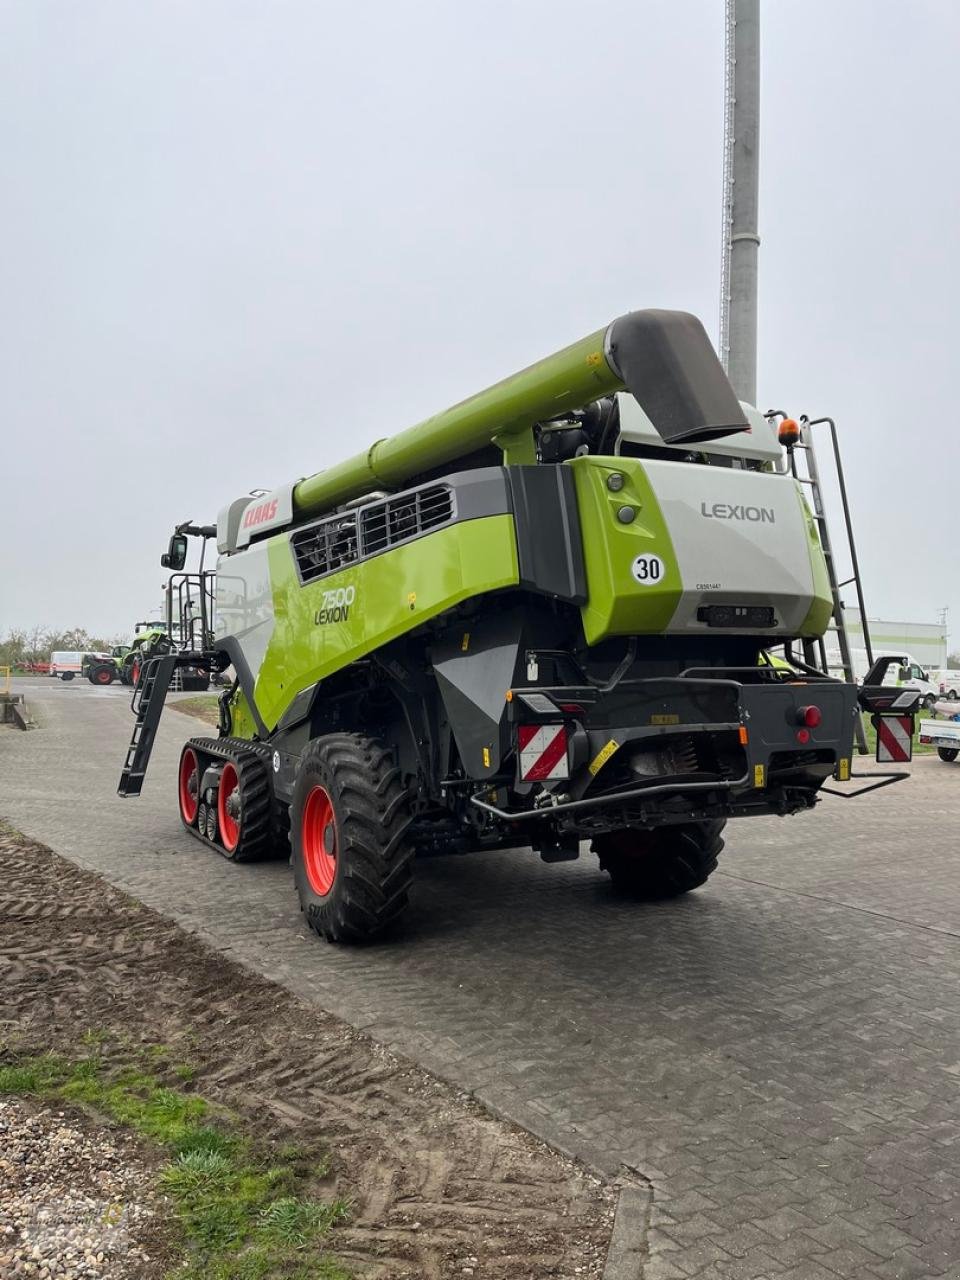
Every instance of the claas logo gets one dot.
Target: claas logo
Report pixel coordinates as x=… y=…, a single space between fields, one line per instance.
x=260 y=514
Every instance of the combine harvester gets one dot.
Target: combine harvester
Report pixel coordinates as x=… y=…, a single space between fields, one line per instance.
x=538 y=618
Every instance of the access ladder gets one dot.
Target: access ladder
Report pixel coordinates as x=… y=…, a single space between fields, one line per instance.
x=147 y=705
x=815 y=651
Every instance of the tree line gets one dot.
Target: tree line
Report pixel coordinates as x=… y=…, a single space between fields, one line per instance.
x=19 y=647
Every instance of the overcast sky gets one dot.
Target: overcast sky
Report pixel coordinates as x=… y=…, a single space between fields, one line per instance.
x=240 y=240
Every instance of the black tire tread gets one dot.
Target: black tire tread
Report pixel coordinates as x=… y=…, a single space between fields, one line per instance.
x=661 y=863
x=375 y=858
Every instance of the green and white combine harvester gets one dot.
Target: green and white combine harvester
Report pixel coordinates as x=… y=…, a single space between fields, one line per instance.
x=539 y=618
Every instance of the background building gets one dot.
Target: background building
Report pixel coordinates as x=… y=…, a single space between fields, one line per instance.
x=926 y=641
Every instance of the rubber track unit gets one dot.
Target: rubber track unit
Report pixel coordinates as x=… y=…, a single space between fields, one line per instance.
x=258 y=825
x=373 y=819
x=662 y=863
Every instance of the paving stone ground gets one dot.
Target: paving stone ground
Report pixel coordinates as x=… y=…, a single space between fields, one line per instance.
x=776 y=1056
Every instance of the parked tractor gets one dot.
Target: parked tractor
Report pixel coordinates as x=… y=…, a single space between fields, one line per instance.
x=538 y=619
x=125 y=660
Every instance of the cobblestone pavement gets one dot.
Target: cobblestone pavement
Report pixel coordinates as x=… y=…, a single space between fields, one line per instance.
x=778 y=1054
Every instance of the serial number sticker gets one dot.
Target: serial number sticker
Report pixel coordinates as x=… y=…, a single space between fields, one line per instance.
x=602 y=756
x=648 y=570
x=664 y=719
x=759 y=775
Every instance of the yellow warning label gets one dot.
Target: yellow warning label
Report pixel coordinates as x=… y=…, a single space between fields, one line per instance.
x=465 y=642
x=602 y=756
x=664 y=719
x=486 y=757
x=759 y=775
x=594 y=359
x=843 y=770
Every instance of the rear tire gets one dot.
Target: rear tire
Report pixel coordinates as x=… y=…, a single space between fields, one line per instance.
x=67 y=675
x=349 y=818
x=662 y=863
x=929 y=701
x=103 y=674
x=948 y=754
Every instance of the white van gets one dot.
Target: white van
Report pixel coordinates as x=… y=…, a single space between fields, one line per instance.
x=948 y=682
x=67 y=663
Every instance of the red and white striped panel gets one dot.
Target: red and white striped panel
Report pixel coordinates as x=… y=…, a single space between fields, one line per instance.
x=894 y=740
x=543 y=752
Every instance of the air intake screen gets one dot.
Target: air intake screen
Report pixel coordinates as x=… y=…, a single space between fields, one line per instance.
x=403 y=517
x=342 y=540
x=326 y=547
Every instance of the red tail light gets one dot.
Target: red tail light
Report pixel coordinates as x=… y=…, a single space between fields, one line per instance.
x=810 y=717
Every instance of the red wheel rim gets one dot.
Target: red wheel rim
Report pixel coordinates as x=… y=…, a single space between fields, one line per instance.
x=102 y=677
x=319 y=840
x=135 y=673
x=229 y=825
x=189 y=773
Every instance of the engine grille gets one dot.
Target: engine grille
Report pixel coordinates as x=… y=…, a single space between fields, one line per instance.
x=342 y=540
x=407 y=516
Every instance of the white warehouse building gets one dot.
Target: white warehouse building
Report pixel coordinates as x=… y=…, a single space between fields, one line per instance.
x=926 y=641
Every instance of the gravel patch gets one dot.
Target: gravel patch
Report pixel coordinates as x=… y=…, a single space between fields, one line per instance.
x=74 y=1204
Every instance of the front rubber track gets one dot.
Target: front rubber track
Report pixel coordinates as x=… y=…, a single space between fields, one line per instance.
x=260 y=830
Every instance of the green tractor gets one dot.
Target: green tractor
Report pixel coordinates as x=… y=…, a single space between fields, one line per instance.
x=125 y=661
x=535 y=620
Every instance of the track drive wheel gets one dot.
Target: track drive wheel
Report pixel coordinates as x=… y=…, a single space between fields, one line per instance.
x=349 y=817
x=662 y=863
x=237 y=818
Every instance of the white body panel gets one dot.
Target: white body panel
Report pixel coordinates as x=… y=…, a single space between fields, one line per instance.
x=740 y=538
x=244 y=605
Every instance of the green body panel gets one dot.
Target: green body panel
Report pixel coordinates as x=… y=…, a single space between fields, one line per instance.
x=504 y=413
x=818 y=619
x=243 y=724
x=616 y=605
x=393 y=593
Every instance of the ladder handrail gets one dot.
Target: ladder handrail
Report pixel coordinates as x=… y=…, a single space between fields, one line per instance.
x=805 y=446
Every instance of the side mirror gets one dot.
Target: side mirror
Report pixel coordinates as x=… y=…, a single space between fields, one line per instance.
x=176 y=554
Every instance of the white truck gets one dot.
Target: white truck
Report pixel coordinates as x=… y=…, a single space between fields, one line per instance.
x=942 y=734
x=65 y=664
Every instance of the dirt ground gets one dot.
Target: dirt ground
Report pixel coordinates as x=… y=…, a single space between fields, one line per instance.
x=439 y=1187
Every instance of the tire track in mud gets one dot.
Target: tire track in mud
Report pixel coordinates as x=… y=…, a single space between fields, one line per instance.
x=440 y=1187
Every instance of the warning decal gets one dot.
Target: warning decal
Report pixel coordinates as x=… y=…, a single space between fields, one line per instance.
x=543 y=752
x=894 y=739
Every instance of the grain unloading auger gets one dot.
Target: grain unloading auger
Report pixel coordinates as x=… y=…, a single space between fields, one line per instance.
x=540 y=617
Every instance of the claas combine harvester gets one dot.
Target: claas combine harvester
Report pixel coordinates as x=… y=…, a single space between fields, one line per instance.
x=540 y=618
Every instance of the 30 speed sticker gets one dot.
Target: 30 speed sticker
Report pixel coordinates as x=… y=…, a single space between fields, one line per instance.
x=648 y=570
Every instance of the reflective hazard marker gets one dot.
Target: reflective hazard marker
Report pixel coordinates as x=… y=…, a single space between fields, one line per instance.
x=894 y=739
x=543 y=752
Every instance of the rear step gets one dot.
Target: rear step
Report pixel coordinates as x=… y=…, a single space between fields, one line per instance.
x=147 y=704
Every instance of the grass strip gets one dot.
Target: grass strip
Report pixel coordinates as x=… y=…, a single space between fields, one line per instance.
x=242 y=1212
